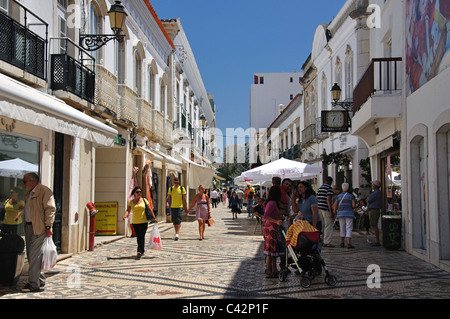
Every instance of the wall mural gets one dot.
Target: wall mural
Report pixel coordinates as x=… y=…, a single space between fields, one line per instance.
x=428 y=40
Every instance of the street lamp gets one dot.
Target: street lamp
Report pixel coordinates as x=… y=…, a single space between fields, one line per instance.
x=336 y=120
x=117 y=16
x=336 y=95
x=203 y=120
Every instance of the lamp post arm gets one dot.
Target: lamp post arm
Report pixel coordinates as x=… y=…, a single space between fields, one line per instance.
x=93 y=42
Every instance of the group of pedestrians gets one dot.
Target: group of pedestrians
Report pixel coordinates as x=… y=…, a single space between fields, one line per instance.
x=177 y=203
x=237 y=197
x=285 y=205
x=343 y=209
x=282 y=207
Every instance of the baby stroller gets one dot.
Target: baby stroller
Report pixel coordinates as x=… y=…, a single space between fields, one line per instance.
x=303 y=244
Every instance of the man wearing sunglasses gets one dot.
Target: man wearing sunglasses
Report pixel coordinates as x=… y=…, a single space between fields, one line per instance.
x=39 y=215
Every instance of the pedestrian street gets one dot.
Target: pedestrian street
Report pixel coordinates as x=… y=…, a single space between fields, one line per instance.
x=229 y=263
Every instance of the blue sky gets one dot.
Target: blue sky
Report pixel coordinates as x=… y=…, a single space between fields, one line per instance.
x=232 y=40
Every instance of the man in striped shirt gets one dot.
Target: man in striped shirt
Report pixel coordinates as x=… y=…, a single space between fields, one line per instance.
x=324 y=196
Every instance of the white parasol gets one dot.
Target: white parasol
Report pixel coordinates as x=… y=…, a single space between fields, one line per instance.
x=282 y=168
x=16 y=168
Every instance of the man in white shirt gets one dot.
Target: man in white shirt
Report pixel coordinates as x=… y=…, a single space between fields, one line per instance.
x=214 y=198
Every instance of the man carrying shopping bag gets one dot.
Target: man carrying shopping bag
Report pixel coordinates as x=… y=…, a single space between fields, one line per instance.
x=39 y=215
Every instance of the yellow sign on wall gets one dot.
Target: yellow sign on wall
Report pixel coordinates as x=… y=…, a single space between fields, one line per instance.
x=106 y=218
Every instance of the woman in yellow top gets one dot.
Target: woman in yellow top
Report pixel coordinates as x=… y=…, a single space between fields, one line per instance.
x=139 y=219
x=14 y=207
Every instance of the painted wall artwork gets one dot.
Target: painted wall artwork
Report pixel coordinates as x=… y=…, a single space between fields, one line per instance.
x=428 y=40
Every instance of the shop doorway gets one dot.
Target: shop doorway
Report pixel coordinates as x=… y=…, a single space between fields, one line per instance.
x=391 y=182
x=58 y=178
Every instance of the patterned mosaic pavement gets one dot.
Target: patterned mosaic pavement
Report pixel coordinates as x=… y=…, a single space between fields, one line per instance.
x=229 y=263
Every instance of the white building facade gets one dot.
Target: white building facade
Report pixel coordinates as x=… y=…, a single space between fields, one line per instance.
x=269 y=94
x=426 y=131
x=91 y=123
x=333 y=60
x=402 y=113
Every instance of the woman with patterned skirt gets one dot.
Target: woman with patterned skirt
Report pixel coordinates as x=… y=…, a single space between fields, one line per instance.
x=272 y=221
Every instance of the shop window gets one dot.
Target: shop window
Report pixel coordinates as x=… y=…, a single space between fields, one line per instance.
x=18 y=156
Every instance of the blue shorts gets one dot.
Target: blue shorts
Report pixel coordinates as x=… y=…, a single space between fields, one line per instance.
x=177 y=215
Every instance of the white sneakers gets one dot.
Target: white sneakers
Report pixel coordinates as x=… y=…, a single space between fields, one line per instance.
x=176 y=237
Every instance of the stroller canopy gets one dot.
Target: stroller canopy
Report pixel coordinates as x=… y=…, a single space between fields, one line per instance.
x=301 y=227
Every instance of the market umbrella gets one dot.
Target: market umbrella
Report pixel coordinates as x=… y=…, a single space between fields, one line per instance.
x=241 y=181
x=282 y=168
x=16 y=168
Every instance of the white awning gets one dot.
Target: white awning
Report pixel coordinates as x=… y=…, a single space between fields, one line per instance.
x=156 y=159
x=198 y=175
x=381 y=146
x=23 y=103
x=170 y=162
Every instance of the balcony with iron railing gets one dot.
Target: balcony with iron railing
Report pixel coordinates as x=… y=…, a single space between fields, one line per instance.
x=378 y=93
x=296 y=151
x=383 y=76
x=71 y=70
x=291 y=153
x=22 y=48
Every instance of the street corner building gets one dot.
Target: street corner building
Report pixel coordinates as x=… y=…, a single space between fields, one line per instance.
x=95 y=116
x=371 y=103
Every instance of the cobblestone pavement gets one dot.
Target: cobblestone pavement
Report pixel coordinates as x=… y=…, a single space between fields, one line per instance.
x=229 y=263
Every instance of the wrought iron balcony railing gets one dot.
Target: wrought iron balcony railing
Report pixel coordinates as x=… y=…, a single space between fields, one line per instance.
x=22 y=47
x=70 y=74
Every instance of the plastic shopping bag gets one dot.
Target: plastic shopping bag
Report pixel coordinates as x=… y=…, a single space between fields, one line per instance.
x=49 y=254
x=210 y=221
x=155 y=238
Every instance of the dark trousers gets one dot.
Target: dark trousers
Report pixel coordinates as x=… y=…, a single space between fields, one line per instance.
x=140 y=230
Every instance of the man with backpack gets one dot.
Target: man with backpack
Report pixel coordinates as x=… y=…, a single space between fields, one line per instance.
x=177 y=196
